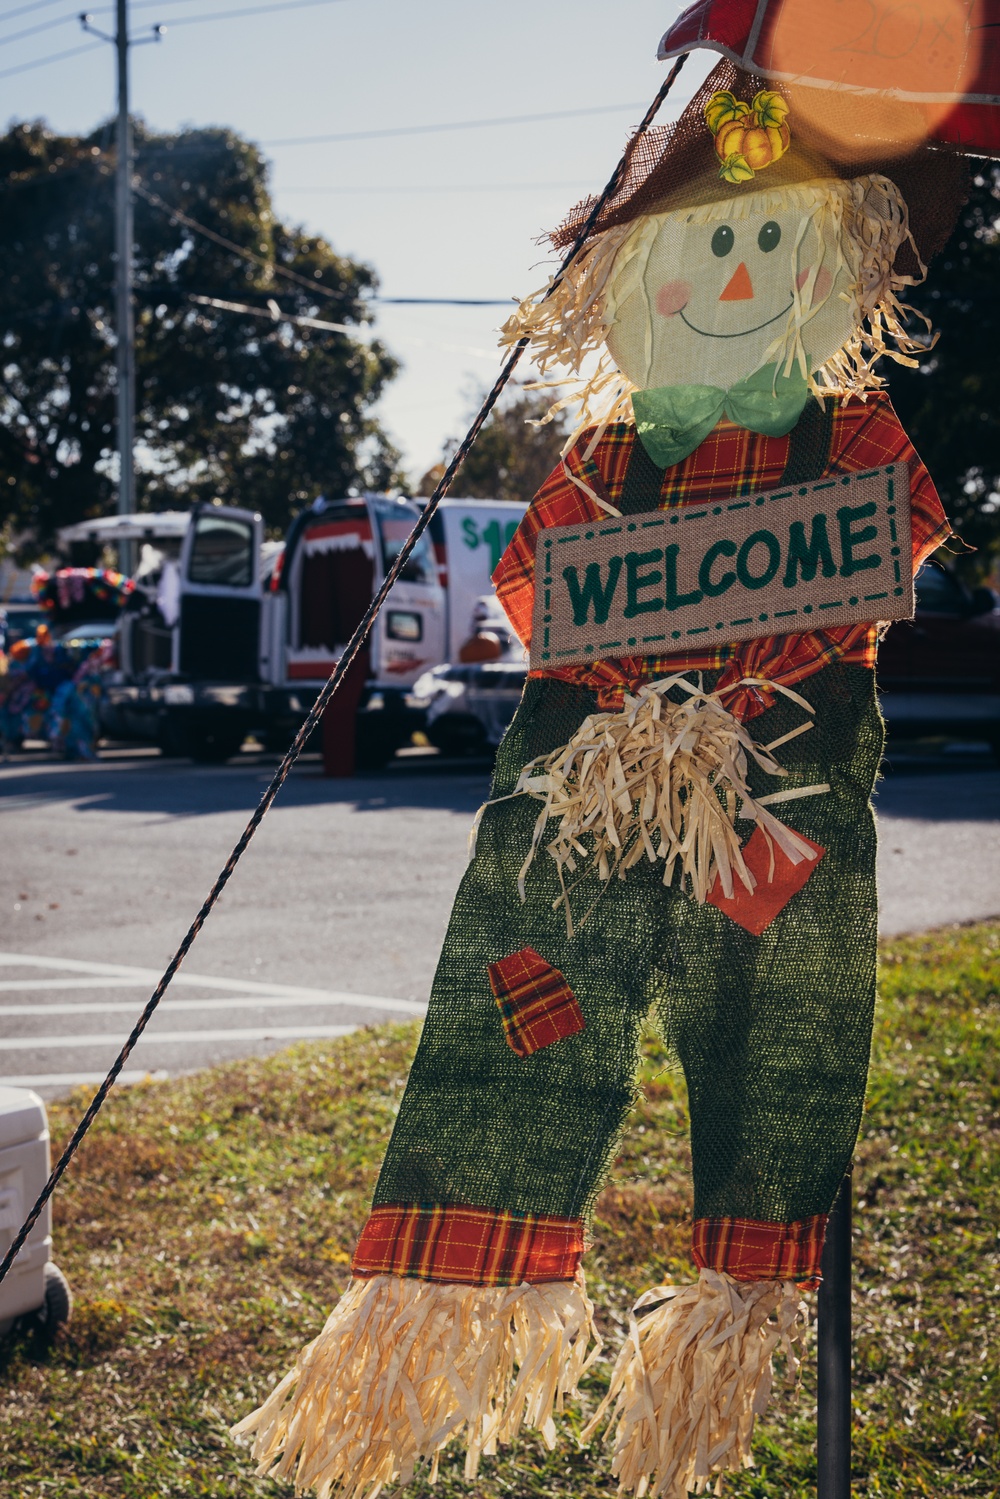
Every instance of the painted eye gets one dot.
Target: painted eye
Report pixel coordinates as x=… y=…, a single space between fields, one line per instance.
x=769 y=236
x=722 y=240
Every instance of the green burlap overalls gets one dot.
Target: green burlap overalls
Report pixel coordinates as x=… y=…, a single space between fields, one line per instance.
x=773 y=1031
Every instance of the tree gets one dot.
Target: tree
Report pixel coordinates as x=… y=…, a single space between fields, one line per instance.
x=261 y=412
x=949 y=406
x=510 y=459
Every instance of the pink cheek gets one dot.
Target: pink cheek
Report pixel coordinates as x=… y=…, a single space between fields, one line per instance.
x=824 y=281
x=672 y=297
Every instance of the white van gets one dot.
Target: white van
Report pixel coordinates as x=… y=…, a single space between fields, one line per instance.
x=230 y=634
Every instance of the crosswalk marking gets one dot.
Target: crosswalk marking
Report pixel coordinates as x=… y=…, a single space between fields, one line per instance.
x=111 y=981
x=152 y=976
x=170 y=1005
x=74 y=1079
x=176 y=1038
x=76 y=975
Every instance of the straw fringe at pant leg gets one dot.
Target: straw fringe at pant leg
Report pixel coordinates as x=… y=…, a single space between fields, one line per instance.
x=405 y=1365
x=692 y=1377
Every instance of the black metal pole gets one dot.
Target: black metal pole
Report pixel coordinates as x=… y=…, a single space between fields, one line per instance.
x=833 y=1354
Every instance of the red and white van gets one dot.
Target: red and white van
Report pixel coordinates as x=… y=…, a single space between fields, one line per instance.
x=236 y=635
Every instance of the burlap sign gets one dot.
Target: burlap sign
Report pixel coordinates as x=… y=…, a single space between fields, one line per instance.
x=800 y=558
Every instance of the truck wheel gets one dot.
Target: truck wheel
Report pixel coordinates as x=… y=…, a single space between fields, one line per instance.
x=172 y=739
x=214 y=746
x=458 y=735
x=57 y=1307
x=373 y=746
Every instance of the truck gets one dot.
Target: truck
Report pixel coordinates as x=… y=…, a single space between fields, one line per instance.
x=230 y=634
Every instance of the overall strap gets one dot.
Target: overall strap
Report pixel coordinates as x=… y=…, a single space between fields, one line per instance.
x=643 y=482
x=809 y=445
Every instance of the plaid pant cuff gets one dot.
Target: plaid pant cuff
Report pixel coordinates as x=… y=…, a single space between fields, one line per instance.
x=447 y=1241
x=747 y=1249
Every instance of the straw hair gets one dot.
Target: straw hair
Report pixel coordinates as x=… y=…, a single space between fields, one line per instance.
x=871 y=224
x=405 y=1365
x=692 y=1377
x=568 y=329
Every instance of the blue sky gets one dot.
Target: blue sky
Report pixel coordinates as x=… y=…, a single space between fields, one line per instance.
x=453 y=214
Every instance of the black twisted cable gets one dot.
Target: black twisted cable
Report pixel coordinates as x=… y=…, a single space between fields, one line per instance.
x=327 y=692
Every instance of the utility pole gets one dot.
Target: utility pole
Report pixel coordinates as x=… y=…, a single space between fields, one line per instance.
x=125 y=319
x=124 y=237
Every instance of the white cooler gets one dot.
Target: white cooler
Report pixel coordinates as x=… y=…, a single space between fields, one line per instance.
x=32 y=1283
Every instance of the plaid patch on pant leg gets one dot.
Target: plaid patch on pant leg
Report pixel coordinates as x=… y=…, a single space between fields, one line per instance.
x=536 y=1004
x=750 y=1250
x=446 y=1241
x=756 y=910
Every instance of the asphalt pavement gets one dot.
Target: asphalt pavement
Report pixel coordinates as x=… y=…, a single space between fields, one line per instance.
x=335 y=915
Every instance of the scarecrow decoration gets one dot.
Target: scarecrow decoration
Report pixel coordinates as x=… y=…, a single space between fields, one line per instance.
x=679 y=819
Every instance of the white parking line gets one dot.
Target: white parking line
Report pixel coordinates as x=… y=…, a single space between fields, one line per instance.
x=170 y=1005
x=171 y=1038
x=62 y=975
x=74 y=1079
x=108 y=981
x=144 y=975
x=121 y=976
x=87 y=767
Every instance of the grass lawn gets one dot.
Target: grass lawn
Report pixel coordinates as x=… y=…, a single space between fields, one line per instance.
x=207 y=1222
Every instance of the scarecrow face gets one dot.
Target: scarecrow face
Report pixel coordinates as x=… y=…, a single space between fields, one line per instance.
x=708 y=303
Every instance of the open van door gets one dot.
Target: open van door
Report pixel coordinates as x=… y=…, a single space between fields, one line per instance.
x=337 y=555
x=218 y=637
x=409 y=635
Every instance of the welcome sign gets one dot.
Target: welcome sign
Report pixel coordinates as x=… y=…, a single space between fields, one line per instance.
x=800 y=558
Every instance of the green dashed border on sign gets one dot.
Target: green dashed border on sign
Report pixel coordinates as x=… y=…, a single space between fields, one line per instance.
x=674 y=517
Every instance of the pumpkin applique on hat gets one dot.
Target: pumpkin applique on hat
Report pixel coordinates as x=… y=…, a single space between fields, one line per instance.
x=748 y=137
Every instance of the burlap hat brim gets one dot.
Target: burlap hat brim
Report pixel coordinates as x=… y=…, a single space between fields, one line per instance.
x=832 y=137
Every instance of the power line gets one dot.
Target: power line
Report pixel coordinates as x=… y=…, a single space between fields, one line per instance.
x=368 y=135
x=252 y=10
x=314 y=286
x=220 y=15
x=274 y=312
x=135 y=5
x=22 y=10
x=270 y=304
x=18 y=36
x=354 y=135
x=445 y=301
x=40 y=62
x=447 y=187
x=228 y=244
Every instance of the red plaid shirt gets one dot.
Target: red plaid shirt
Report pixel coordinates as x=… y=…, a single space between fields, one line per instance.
x=731 y=461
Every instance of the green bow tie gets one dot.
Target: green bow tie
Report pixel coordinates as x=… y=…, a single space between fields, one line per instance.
x=672 y=420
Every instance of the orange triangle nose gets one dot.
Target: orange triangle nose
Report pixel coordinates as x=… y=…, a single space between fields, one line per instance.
x=740 y=288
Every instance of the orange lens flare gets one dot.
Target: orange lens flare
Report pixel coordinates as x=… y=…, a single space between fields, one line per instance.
x=876 y=73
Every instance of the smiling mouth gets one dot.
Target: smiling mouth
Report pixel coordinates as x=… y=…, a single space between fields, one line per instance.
x=743 y=331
